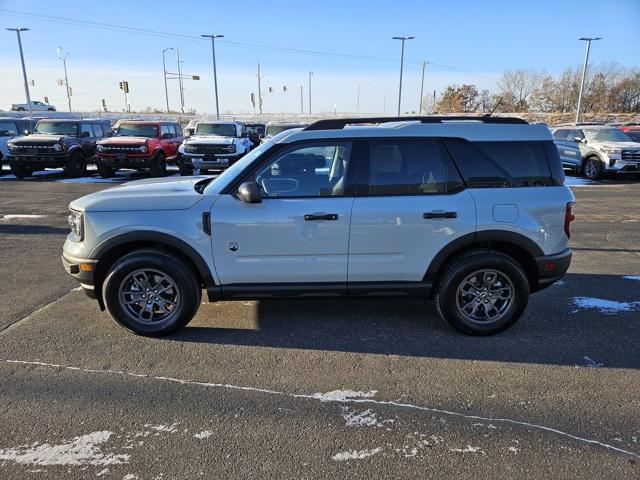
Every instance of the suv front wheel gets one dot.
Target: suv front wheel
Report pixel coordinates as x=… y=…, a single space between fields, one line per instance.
x=482 y=292
x=152 y=293
x=592 y=168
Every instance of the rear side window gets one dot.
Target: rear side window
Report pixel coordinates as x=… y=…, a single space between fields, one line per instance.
x=410 y=167
x=97 y=130
x=502 y=164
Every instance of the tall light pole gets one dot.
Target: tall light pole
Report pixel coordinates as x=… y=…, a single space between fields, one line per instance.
x=403 y=39
x=424 y=66
x=358 y=85
x=66 y=77
x=215 y=74
x=310 y=74
x=301 y=101
x=164 y=70
x=24 y=71
x=180 y=81
x=584 y=72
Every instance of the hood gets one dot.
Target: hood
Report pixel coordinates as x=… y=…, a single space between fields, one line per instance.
x=620 y=145
x=143 y=195
x=123 y=140
x=39 y=138
x=209 y=139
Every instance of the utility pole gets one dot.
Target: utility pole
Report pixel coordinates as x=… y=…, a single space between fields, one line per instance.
x=24 y=73
x=301 y=102
x=584 y=72
x=424 y=66
x=433 y=104
x=403 y=39
x=259 y=90
x=358 y=96
x=180 y=81
x=310 y=74
x=164 y=70
x=66 y=77
x=215 y=74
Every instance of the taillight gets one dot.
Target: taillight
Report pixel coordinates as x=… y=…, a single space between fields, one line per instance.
x=568 y=218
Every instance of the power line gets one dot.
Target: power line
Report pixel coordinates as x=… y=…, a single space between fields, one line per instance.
x=185 y=37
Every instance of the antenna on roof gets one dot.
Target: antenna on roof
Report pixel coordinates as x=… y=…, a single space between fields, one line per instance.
x=495 y=107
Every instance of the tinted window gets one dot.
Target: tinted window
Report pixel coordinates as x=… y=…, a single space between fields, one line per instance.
x=137 y=130
x=97 y=130
x=561 y=134
x=86 y=130
x=606 y=135
x=220 y=129
x=634 y=135
x=164 y=131
x=57 y=128
x=318 y=170
x=8 y=129
x=178 y=130
x=410 y=167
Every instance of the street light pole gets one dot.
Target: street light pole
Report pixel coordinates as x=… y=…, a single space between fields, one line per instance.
x=310 y=74
x=301 y=101
x=164 y=69
x=66 y=77
x=24 y=72
x=180 y=81
x=215 y=74
x=403 y=39
x=424 y=66
x=584 y=72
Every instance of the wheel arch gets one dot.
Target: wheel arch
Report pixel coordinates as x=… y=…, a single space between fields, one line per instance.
x=519 y=247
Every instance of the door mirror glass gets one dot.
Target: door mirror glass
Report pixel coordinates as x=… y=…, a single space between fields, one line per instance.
x=249 y=192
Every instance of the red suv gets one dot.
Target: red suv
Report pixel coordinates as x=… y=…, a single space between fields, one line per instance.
x=140 y=145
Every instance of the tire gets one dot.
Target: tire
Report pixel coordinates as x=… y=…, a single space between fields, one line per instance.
x=182 y=289
x=592 y=168
x=20 y=109
x=158 y=165
x=453 y=293
x=185 y=170
x=104 y=171
x=20 y=171
x=51 y=109
x=75 y=166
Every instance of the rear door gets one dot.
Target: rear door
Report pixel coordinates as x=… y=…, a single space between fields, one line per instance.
x=410 y=203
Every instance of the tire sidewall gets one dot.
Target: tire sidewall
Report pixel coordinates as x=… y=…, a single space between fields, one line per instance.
x=449 y=287
x=188 y=290
x=159 y=165
x=75 y=165
x=598 y=168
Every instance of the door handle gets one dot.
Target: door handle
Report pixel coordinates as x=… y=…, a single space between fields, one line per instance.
x=320 y=216
x=430 y=215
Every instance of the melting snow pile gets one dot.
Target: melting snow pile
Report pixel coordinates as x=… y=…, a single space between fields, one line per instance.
x=355 y=454
x=342 y=395
x=607 y=307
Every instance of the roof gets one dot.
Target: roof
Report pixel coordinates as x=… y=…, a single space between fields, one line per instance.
x=220 y=122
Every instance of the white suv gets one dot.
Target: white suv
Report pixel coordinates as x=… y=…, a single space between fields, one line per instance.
x=470 y=211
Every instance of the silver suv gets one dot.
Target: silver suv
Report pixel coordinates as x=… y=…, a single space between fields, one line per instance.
x=603 y=149
x=472 y=212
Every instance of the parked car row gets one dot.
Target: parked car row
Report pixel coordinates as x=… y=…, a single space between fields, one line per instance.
x=142 y=145
x=593 y=150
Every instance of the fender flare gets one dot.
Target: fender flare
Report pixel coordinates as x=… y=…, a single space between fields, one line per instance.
x=75 y=147
x=470 y=239
x=159 y=237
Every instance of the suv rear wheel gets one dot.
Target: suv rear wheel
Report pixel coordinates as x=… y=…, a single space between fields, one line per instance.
x=592 y=168
x=482 y=292
x=20 y=171
x=149 y=292
x=158 y=165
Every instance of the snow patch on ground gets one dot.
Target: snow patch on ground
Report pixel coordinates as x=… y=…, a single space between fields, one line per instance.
x=173 y=428
x=367 y=418
x=632 y=277
x=355 y=454
x=83 y=450
x=514 y=449
x=102 y=472
x=342 y=395
x=579 y=182
x=591 y=363
x=607 y=307
x=467 y=449
x=20 y=216
x=203 y=434
x=130 y=476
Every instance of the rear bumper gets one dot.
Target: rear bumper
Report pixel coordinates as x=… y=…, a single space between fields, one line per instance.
x=552 y=268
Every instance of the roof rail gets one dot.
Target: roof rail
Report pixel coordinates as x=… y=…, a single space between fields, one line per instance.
x=340 y=123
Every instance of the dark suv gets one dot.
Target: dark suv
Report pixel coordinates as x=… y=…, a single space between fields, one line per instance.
x=57 y=143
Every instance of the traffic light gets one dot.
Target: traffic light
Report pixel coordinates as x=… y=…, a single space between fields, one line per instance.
x=119 y=83
x=126 y=86
x=253 y=100
x=270 y=89
x=70 y=91
x=46 y=99
x=61 y=82
x=284 y=88
x=104 y=103
x=33 y=83
x=195 y=77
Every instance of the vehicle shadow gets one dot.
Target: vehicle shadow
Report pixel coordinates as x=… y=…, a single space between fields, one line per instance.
x=586 y=320
x=32 y=229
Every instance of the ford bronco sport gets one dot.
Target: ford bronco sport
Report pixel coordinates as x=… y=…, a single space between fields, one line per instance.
x=471 y=212
x=57 y=143
x=142 y=145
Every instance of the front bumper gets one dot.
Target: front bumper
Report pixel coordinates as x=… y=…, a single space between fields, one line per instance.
x=125 y=160
x=39 y=161
x=82 y=269
x=551 y=268
x=209 y=161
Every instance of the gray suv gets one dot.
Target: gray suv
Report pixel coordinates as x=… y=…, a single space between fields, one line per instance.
x=471 y=212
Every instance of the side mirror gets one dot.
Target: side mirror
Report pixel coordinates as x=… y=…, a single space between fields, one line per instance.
x=249 y=192
x=578 y=139
x=261 y=136
x=27 y=132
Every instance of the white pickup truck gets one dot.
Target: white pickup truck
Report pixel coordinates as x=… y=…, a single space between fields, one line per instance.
x=36 y=106
x=213 y=146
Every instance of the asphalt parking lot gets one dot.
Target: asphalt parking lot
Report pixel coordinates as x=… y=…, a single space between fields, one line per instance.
x=310 y=389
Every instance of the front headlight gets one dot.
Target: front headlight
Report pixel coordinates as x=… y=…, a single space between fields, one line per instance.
x=189 y=149
x=231 y=148
x=143 y=149
x=100 y=148
x=611 y=150
x=57 y=147
x=76 y=222
x=11 y=146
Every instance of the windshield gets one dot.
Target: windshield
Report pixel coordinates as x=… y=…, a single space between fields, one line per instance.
x=137 y=130
x=276 y=129
x=57 y=128
x=634 y=135
x=8 y=129
x=219 y=129
x=230 y=173
x=606 y=135
x=256 y=129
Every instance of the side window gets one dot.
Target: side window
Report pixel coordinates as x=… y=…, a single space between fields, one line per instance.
x=8 y=129
x=97 y=131
x=86 y=130
x=177 y=131
x=318 y=170
x=573 y=134
x=411 y=167
x=561 y=134
x=165 y=132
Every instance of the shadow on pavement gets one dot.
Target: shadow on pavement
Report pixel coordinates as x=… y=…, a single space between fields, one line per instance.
x=556 y=328
x=32 y=229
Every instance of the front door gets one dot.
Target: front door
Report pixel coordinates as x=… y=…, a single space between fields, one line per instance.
x=297 y=239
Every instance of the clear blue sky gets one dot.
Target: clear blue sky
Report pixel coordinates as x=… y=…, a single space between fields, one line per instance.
x=483 y=37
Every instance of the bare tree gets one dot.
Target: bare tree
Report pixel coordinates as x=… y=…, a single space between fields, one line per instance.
x=517 y=87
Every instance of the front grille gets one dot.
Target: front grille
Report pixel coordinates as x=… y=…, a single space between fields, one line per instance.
x=34 y=149
x=631 y=155
x=211 y=149
x=121 y=149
